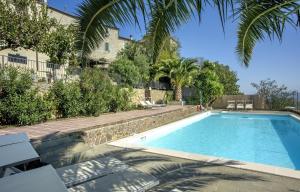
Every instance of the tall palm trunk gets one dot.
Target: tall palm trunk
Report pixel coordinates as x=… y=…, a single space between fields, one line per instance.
x=178 y=93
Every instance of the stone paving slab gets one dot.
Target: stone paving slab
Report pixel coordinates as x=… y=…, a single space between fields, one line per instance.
x=75 y=124
x=178 y=174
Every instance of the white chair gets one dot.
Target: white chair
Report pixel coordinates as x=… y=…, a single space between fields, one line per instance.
x=154 y=105
x=249 y=105
x=230 y=105
x=145 y=105
x=240 y=105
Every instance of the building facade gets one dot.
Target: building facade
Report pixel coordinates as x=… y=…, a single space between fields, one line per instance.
x=37 y=62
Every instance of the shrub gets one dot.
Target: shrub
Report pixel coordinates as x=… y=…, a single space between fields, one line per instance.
x=121 y=100
x=14 y=81
x=169 y=96
x=19 y=103
x=67 y=98
x=97 y=91
x=125 y=72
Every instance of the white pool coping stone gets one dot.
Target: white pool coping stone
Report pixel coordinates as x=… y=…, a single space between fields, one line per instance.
x=132 y=142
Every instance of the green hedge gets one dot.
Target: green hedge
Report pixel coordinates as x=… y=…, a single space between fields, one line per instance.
x=92 y=95
x=19 y=102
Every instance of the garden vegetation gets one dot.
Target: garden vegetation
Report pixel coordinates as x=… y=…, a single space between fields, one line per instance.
x=21 y=103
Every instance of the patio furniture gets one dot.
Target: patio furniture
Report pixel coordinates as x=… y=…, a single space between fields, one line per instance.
x=122 y=181
x=154 y=105
x=13 y=138
x=89 y=170
x=249 y=105
x=230 y=105
x=16 y=150
x=145 y=105
x=240 y=105
x=43 y=179
x=104 y=174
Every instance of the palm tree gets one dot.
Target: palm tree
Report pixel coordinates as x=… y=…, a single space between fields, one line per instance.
x=257 y=19
x=180 y=71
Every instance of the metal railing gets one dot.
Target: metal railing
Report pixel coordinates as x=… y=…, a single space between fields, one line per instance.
x=155 y=85
x=43 y=71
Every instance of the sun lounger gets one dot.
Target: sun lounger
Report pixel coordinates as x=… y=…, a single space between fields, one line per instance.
x=104 y=174
x=131 y=180
x=89 y=170
x=240 y=105
x=16 y=153
x=249 y=105
x=43 y=179
x=154 y=105
x=145 y=105
x=230 y=105
x=13 y=138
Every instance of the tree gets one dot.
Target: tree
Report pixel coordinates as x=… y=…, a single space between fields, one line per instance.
x=257 y=19
x=227 y=78
x=125 y=72
x=180 y=71
x=276 y=96
x=208 y=83
x=59 y=44
x=23 y=23
x=137 y=54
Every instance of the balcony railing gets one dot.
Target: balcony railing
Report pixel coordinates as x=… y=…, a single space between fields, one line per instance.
x=41 y=70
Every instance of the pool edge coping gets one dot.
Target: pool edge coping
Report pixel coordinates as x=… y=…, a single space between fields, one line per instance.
x=263 y=168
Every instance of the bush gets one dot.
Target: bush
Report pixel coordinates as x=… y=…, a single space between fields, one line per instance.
x=67 y=98
x=92 y=95
x=125 y=72
x=169 y=96
x=97 y=91
x=19 y=103
x=121 y=100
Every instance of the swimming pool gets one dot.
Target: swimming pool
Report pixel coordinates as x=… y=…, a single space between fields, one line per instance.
x=266 y=139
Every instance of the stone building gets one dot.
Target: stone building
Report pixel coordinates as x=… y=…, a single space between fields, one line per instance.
x=104 y=54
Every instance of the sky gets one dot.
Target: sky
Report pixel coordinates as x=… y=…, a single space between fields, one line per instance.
x=276 y=60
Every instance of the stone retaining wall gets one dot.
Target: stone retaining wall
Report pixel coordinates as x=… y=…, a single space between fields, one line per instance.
x=105 y=134
x=98 y=135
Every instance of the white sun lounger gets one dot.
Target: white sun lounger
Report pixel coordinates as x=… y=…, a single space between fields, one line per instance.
x=44 y=179
x=154 y=105
x=129 y=180
x=240 y=105
x=230 y=105
x=104 y=174
x=89 y=170
x=145 y=105
x=249 y=105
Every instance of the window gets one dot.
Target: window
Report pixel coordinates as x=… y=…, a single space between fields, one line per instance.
x=16 y=58
x=52 y=65
x=106 y=46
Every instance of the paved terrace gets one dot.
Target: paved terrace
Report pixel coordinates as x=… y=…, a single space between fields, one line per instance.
x=178 y=174
x=74 y=124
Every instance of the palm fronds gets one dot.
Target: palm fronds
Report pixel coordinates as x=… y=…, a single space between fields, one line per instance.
x=263 y=18
x=165 y=16
x=96 y=16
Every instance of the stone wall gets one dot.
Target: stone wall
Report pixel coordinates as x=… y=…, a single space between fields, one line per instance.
x=156 y=95
x=108 y=133
x=103 y=134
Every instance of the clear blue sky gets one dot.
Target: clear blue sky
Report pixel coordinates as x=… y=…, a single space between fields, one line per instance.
x=271 y=59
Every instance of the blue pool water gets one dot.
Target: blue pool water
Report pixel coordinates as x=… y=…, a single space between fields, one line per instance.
x=265 y=139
